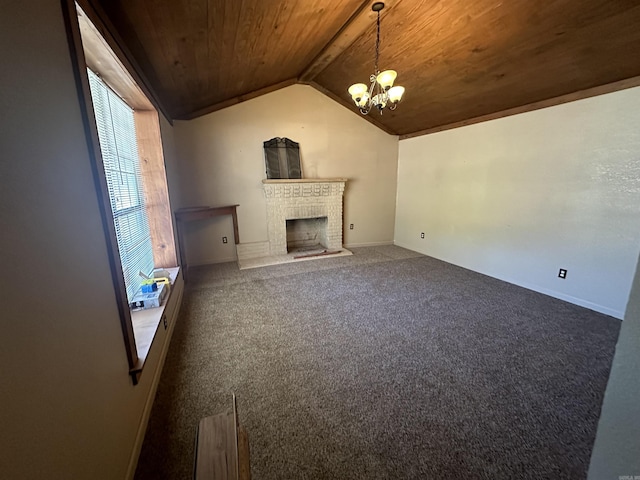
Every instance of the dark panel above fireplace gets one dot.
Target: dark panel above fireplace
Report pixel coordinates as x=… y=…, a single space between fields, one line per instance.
x=282 y=158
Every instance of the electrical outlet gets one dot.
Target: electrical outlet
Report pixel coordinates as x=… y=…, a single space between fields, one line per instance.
x=224 y=239
x=562 y=273
x=422 y=235
x=351 y=226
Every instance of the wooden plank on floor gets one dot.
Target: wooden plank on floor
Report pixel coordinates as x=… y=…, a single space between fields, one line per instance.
x=216 y=450
x=244 y=462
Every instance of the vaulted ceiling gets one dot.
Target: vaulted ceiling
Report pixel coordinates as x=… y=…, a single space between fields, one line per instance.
x=459 y=60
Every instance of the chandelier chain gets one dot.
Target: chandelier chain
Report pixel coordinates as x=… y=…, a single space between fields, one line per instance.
x=376 y=71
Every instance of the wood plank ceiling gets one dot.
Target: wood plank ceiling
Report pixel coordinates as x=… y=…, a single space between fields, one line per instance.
x=459 y=60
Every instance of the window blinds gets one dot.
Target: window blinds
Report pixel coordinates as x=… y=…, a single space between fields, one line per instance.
x=116 y=131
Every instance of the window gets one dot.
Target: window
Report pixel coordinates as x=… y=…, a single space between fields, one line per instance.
x=122 y=126
x=116 y=131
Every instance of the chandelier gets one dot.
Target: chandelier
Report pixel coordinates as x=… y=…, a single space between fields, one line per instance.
x=381 y=93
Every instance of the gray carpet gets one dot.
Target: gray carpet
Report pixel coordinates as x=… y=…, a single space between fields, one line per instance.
x=383 y=365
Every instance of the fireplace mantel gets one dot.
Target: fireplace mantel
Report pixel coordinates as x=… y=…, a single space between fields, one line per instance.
x=304 y=180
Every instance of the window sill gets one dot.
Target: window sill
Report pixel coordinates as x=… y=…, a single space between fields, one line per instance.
x=146 y=323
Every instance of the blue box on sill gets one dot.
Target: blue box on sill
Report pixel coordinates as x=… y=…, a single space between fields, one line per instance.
x=152 y=287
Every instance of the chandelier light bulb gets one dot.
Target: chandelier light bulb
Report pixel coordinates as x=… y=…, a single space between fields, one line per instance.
x=395 y=93
x=357 y=92
x=386 y=79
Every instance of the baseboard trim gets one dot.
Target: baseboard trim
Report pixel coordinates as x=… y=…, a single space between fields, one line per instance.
x=214 y=261
x=367 y=244
x=536 y=288
x=567 y=298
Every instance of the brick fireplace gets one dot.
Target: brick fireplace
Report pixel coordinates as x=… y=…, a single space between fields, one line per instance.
x=319 y=201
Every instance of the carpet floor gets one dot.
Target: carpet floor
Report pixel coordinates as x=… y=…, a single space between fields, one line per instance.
x=383 y=365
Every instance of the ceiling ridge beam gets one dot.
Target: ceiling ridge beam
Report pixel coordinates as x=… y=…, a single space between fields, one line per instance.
x=362 y=19
x=239 y=99
x=550 y=102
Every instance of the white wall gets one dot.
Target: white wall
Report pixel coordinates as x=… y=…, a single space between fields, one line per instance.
x=616 y=451
x=68 y=408
x=222 y=162
x=520 y=197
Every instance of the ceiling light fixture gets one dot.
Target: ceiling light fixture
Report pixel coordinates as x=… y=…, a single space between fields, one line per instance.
x=381 y=93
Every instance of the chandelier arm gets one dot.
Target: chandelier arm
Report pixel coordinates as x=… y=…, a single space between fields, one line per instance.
x=372 y=79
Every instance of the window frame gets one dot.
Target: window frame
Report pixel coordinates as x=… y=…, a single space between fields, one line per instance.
x=79 y=64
